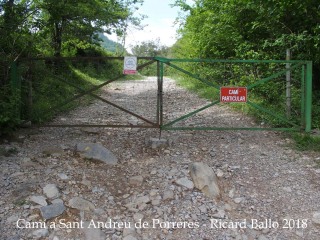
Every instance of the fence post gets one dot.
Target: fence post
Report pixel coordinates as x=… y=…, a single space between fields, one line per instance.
x=308 y=97
x=303 y=97
x=16 y=88
x=288 y=85
x=160 y=93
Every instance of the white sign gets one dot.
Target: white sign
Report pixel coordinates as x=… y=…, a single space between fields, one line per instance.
x=130 y=65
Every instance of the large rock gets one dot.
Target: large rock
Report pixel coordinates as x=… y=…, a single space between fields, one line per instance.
x=41 y=200
x=81 y=204
x=185 y=182
x=316 y=218
x=97 y=152
x=204 y=179
x=52 y=210
x=51 y=191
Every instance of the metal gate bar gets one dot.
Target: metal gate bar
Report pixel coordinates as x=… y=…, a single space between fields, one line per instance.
x=278 y=74
x=192 y=75
x=106 y=101
x=188 y=115
x=306 y=81
x=306 y=96
x=90 y=92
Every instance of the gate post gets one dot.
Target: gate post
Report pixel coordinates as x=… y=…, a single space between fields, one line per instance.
x=308 y=97
x=16 y=88
x=288 y=85
x=160 y=93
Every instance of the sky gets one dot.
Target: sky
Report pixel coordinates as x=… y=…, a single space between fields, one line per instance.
x=159 y=24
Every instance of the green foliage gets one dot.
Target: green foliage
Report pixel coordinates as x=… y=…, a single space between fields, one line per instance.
x=72 y=21
x=316 y=109
x=65 y=78
x=240 y=29
x=57 y=27
x=54 y=28
x=110 y=45
x=150 y=48
x=9 y=109
x=305 y=142
x=198 y=87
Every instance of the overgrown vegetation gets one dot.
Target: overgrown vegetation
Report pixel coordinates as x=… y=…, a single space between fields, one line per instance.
x=307 y=142
x=258 y=30
x=150 y=48
x=54 y=28
x=9 y=108
x=64 y=79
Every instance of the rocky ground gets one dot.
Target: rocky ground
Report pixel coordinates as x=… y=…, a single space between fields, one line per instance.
x=143 y=188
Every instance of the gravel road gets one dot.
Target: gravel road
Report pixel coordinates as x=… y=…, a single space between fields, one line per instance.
x=268 y=190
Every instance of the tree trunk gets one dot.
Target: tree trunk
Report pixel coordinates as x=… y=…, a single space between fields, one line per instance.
x=57 y=39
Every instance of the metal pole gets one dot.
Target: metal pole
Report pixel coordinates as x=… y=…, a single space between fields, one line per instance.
x=158 y=94
x=161 y=94
x=308 y=99
x=288 y=85
x=303 y=96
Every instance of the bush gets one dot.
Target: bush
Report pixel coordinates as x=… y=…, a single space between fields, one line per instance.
x=9 y=109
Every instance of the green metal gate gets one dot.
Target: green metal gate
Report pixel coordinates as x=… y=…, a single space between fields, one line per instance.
x=62 y=73
x=302 y=74
x=250 y=74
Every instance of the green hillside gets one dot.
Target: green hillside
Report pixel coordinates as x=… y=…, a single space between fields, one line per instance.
x=110 y=45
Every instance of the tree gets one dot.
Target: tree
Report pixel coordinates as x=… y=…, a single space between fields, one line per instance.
x=52 y=26
x=150 y=48
x=255 y=29
x=72 y=21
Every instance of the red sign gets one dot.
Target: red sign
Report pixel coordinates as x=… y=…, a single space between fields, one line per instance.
x=233 y=94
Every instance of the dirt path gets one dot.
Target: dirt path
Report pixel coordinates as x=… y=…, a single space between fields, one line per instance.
x=268 y=190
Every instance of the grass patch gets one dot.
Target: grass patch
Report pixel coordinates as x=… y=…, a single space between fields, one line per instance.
x=50 y=95
x=56 y=85
x=198 y=87
x=306 y=142
x=85 y=77
x=303 y=142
